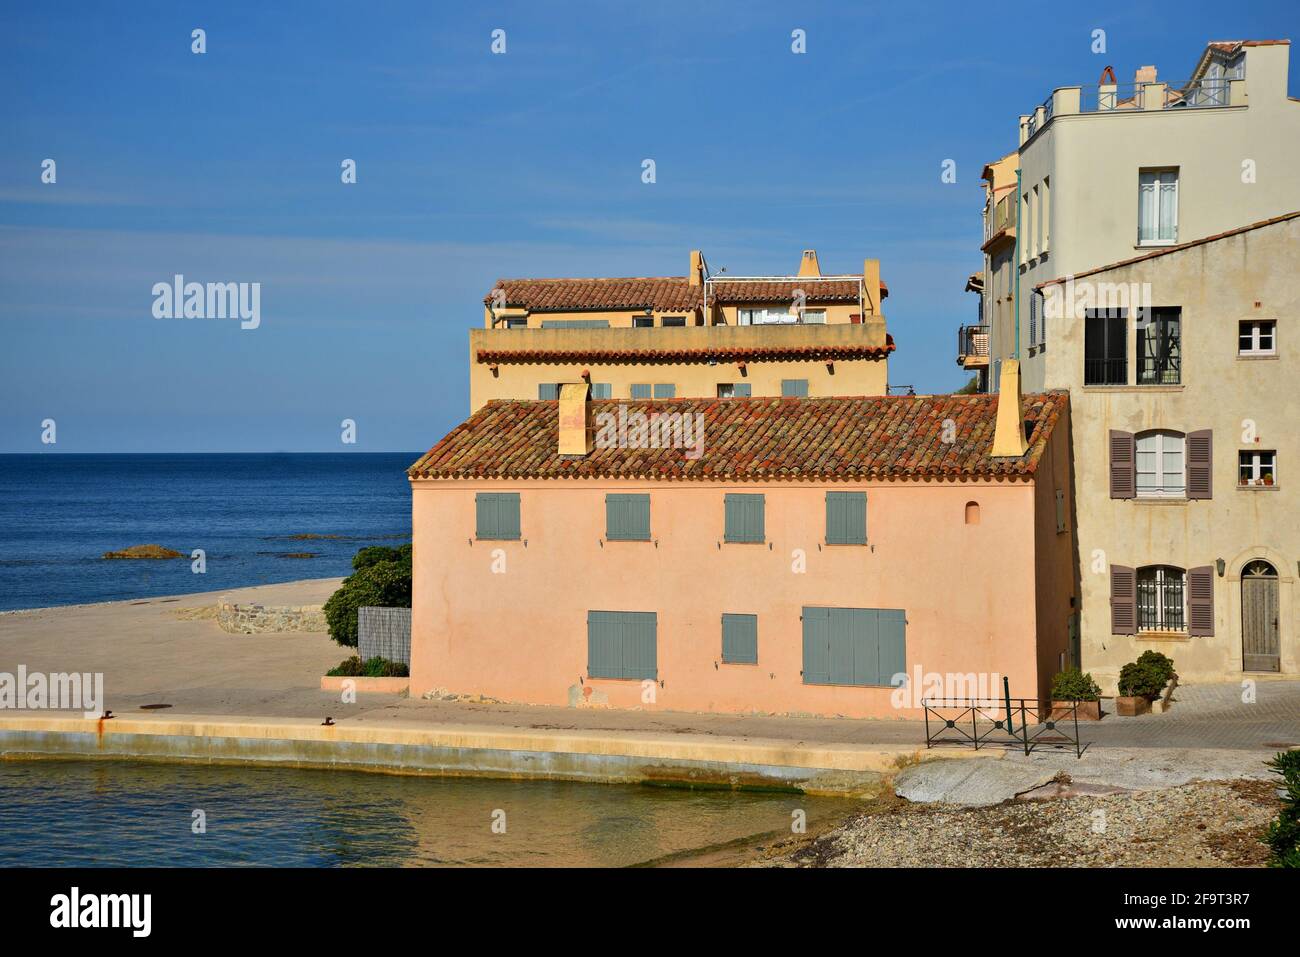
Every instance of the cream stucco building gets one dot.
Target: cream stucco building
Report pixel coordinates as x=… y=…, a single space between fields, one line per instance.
x=1156 y=264
x=1185 y=467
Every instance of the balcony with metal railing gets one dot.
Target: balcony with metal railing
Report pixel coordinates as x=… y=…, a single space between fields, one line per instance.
x=973 y=347
x=1205 y=93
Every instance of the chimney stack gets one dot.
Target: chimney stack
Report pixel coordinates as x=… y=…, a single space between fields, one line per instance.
x=808 y=265
x=696 y=275
x=577 y=437
x=1009 y=433
x=1144 y=74
x=871 y=285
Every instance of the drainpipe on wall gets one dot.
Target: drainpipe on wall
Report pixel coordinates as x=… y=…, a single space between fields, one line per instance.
x=1015 y=265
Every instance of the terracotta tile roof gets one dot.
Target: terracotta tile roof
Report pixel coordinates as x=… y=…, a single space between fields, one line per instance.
x=1166 y=250
x=815 y=289
x=877 y=437
x=662 y=294
x=1232 y=46
x=737 y=354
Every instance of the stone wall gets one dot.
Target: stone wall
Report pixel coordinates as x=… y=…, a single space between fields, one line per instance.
x=253 y=619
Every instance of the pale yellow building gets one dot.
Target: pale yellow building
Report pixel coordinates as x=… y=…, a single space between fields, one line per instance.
x=695 y=336
x=995 y=284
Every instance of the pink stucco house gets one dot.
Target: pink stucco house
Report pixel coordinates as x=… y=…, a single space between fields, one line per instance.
x=797 y=555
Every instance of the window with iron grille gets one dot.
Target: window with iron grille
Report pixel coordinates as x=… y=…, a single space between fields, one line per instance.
x=1159 y=347
x=1161 y=596
x=1105 y=347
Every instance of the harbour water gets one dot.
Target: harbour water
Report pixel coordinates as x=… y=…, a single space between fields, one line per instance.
x=110 y=813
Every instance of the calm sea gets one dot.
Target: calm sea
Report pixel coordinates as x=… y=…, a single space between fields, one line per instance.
x=89 y=813
x=249 y=513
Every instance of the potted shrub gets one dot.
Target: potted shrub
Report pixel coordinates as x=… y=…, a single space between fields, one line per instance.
x=1071 y=686
x=1143 y=681
x=1268 y=478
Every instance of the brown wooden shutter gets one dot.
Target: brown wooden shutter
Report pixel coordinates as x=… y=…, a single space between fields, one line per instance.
x=1123 y=600
x=1200 y=464
x=1200 y=602
x=1122 y=478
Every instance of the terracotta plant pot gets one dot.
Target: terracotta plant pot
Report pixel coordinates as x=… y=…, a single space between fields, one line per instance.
x=1088 y=710
x=1131 y=707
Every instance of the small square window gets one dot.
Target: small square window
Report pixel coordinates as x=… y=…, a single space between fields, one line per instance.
x=1257 y=337
x=1257 y=468
x=643 y=322
x=674 y=321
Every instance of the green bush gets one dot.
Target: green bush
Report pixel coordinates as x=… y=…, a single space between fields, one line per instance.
x=375 y=667
x=1143 y=679
x=1074 y=685
x=1161 y=664
x=382 y=579
x=374 y=554
x=1283 y=835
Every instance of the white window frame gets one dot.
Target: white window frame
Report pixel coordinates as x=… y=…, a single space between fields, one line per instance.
x=1166 y=442
x=1256 y=467
x=1255 y=336
x=766 y=316
x=1162 y=177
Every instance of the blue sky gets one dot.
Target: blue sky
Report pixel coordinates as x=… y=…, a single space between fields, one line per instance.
x=225 y=166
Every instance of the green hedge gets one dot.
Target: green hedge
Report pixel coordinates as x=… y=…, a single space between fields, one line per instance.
x=382 y=579
x=375 y=667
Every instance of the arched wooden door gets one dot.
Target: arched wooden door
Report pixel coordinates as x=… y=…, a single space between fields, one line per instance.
x=1261 y=645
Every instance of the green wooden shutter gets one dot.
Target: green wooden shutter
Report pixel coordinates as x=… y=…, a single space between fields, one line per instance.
x=744 y=515
x=665 y=390
x=742 y=390
x=497 y=515
x=797 y=388
x=601 y=390
x=863 y=647
x=548 y=390
x=892 y=629
x=627 y=517
x=846 y=518
x=816 y=646
x=740 y=639
x=845 y=628
x=604 y=645
x=640 y=654
x=641 y=391
x=622 y=644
